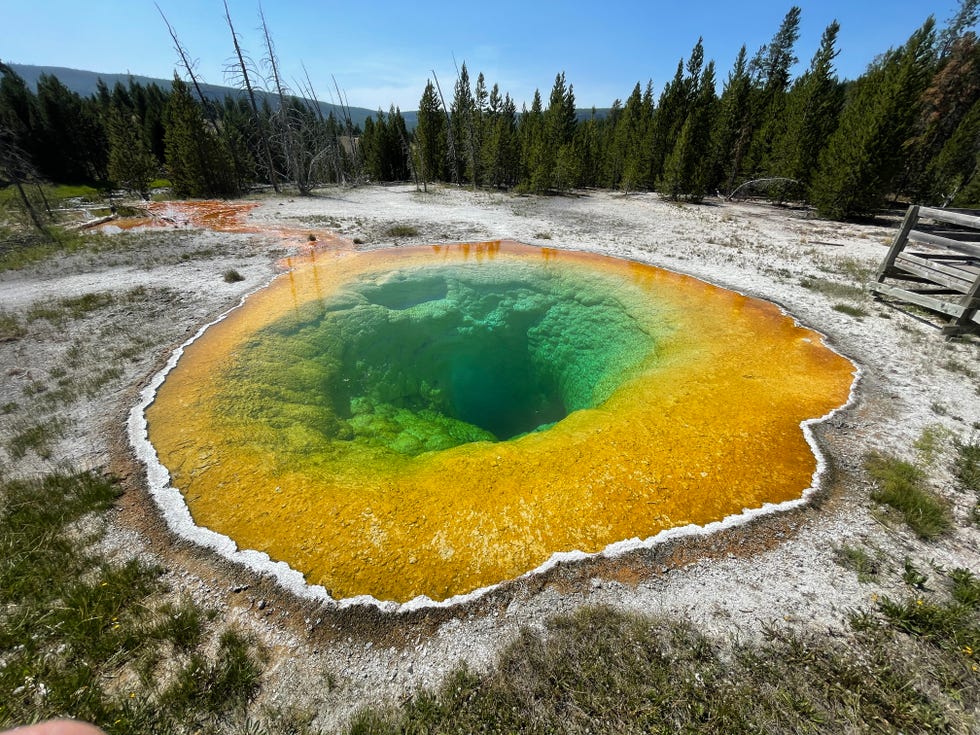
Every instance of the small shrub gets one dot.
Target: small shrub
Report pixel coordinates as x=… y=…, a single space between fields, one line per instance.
x=402 y=231
x=542 y=235
x=901 y=485
x=912 y=576
x=233 y=276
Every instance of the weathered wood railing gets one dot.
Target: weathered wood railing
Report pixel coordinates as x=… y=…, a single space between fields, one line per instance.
x=943 y=274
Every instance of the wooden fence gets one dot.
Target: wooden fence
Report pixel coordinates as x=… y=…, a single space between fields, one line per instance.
x=942 y=273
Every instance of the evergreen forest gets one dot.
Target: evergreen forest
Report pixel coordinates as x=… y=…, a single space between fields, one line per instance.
x=908 y=129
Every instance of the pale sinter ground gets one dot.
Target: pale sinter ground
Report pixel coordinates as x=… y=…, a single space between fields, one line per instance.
x=781 y=569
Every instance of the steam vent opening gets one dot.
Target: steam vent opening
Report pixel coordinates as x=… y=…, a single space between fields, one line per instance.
x=430 y=421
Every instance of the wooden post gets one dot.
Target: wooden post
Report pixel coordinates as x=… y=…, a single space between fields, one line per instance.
x=901 y=239
x=969 y=302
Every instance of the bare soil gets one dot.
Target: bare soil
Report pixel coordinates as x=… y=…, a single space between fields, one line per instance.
x=165 y=284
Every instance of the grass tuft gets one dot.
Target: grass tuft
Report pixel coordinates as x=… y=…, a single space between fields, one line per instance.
x=10 y=327
x=402 y=231
x=901 y=485
x=858 y=560
x=233 y=276
x=850 y=310
x=967 y=467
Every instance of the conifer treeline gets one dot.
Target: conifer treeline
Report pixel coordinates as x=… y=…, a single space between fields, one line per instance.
x=131 y=135
x=908 y=127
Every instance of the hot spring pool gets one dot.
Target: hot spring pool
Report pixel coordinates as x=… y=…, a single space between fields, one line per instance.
x=430 y=421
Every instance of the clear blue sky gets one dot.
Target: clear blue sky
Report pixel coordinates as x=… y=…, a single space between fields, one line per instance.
x=382 y=52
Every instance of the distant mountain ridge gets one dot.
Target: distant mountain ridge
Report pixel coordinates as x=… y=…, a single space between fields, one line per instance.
x=85 y=83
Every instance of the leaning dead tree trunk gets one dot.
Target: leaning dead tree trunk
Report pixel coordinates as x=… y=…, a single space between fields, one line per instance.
x=16 y=168
x=451 y=152
x=189 y=68
x=259 y=120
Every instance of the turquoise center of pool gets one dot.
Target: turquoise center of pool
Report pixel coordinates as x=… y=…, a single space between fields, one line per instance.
x=425 y=359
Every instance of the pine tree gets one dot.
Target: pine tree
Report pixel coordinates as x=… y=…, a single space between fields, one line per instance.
x=555 y=164
x=430 y=138
x=131 y=164
x=812 y=110
x=667 y=122
x=627 y=158
x=531 y=134
x=951 y=93
x=772 y=66
x=687 y=169
x=461 y=114
x=864 y=155
x=732 y=126
x=198 y=164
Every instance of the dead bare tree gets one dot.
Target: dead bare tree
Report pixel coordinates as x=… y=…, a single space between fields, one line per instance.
x=242 y=72
x=16 y=167
x=288 y=134
x=355 y=156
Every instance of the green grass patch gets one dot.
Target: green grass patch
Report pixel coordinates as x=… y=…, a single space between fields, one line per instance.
x=901 y=485
x=859 y=560
x=402 y=231
x=851 y=310
x=10 y=327
x=966 y=466
x=85 y=638
x=931 y=442
x=75 y=307
x=833 y=289
x=40 y=437
x=233 y=276
x=601 y=670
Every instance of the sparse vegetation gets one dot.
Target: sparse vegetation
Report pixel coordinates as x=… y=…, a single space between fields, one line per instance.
x=902 y=485
x=850 y=310
x=95 y=640
x=601 y=670
x=39 y=437
x=931 y=441
x=10 y=327
x=859 y=560
x=402 y=231
x=833 y=289
x=233 y=276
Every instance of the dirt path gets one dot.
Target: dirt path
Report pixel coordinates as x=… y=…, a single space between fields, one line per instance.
x=162 y=286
